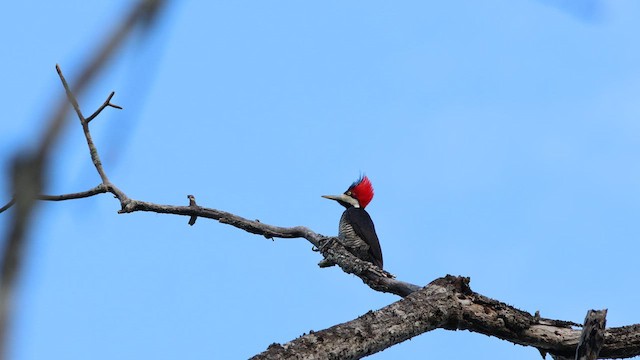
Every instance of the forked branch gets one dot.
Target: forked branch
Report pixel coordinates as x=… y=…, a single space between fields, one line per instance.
x=103 y=106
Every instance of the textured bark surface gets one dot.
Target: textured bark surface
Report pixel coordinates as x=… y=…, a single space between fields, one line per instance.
x=375 y=330
x=592 y=337
x=446 y=303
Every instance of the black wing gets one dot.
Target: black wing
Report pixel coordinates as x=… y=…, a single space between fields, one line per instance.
x=364 y=228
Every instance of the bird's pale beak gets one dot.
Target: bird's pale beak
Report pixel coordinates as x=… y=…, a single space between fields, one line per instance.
x=341 y=197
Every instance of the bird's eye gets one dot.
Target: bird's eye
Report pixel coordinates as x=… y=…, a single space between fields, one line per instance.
x=349 y=193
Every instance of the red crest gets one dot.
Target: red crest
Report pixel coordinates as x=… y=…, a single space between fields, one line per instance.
x=362 y=190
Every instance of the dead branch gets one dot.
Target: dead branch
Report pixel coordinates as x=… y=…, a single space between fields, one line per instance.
x=446 y=303
x=100 y=189
x=103 y=106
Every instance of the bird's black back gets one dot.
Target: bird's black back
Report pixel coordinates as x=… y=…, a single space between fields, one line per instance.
x=363 y=226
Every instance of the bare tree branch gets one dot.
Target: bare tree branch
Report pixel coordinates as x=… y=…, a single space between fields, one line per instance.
x=100 y=189
x=85 y=128
x=446 y=303
x=103 y=106
x=370 y=274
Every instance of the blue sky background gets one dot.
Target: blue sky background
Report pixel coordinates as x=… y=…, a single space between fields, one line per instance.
x=502 y=139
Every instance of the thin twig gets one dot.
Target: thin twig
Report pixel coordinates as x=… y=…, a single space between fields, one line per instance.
x=72 y=99
x=100 y=189
x=103 y=106
x=85 y=127
x=93 y=151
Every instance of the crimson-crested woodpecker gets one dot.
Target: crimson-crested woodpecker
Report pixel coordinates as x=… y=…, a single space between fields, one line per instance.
x=356 y=231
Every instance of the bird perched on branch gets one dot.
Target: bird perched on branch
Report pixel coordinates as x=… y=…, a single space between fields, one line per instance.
x=356 y=230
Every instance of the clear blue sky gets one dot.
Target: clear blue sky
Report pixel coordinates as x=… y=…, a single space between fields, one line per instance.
x=502 y=138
